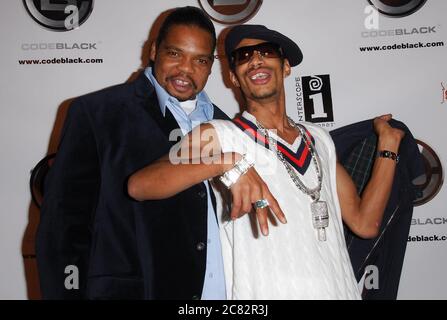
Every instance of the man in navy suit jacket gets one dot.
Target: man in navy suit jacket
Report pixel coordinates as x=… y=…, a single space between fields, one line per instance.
x=122 y=248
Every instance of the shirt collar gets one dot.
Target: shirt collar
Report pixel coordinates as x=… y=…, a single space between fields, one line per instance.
x=162 y=94
x=203 y=101
x=247 y=115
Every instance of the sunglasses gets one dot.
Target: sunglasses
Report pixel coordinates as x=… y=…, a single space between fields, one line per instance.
x=266 y=50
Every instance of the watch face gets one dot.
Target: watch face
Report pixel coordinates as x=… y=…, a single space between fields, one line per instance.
x=388 y=154
x=225 y=181
x=233 y=175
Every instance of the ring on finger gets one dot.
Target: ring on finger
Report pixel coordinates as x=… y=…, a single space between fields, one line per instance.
x=261 y=204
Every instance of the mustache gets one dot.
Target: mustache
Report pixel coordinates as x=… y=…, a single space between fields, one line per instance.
x=184 y=76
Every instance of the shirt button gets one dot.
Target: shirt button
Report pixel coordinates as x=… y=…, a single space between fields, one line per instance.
x=195 y=297
x=202 y=194
x=200 y=246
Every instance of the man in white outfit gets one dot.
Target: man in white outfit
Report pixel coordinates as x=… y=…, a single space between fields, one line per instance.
x=271 y=164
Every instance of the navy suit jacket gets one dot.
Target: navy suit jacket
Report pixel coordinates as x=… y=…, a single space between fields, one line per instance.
x=123 y=249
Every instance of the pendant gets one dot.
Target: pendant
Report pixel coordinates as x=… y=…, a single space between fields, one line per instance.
x=320 y=218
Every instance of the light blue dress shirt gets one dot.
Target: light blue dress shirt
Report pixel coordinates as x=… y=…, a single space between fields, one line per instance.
x=214 y=284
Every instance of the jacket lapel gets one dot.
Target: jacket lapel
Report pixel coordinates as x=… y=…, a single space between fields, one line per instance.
x=147 y=92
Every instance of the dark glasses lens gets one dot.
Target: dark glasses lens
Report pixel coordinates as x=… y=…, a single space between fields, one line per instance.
x=266 y=50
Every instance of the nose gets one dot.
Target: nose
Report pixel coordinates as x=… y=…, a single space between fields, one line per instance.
x=185 y=65
x=256 y=59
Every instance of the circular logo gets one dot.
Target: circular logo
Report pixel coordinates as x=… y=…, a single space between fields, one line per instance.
x=230 y=11
x=397 y=8
x=65 y=15
x=431 y=181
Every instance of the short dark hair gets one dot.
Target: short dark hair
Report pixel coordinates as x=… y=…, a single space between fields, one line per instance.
x=190 y=16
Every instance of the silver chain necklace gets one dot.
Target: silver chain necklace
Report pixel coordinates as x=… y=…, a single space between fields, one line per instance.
x=320 y=216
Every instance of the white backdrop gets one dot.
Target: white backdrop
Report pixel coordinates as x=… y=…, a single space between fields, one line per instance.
x=406 y=82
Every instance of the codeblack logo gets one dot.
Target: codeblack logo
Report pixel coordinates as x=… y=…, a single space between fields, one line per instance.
x=317 y=98
x=431 y=181
x=230 y=11
x=397 y=8
x=61 y=15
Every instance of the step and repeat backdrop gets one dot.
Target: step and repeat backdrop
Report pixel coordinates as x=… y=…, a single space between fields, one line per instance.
x=361 y=59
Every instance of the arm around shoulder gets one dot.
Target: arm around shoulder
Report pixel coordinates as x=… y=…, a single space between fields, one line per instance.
x=196 y=158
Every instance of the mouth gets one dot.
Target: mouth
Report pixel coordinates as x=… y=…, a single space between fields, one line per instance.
x=259 y=76
x=181 y=84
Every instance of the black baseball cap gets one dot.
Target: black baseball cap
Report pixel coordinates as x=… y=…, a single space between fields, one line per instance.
x=290 y=49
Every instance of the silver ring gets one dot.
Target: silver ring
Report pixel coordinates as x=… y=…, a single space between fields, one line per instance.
x=261 y=204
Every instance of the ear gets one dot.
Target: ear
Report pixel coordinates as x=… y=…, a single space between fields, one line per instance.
x=287 y=69
x=234 y=79
x=153 y=52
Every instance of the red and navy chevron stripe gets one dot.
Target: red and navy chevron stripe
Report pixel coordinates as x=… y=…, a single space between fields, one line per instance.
x=300 y=159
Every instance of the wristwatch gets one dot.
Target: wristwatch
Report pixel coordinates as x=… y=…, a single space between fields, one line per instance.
x=388 y=154
x=240 y=168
